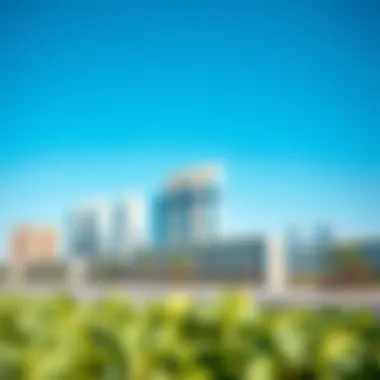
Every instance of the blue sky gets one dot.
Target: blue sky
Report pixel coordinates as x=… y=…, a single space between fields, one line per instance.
x=99 y=97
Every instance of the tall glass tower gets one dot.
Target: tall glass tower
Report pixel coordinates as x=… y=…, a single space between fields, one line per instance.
x=189 y=208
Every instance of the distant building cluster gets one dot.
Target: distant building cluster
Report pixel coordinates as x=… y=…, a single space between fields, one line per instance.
x=181 y=229
x=98 y=228
x=186 y=211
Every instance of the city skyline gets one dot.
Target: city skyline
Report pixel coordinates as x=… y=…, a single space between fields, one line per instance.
x=109 y=96
x=100 y=212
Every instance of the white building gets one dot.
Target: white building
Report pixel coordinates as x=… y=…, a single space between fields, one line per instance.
x=89 y=228
x=128 y=226
x=276 y=279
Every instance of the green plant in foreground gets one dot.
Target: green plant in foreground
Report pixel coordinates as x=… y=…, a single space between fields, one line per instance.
x=226 y=338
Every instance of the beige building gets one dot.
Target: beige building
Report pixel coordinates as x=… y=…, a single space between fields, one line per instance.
x=33 y=243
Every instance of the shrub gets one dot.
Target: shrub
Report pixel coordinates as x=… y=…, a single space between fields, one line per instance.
x=225 y=339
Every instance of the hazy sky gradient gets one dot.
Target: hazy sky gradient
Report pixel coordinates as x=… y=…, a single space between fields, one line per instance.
x=99 y=97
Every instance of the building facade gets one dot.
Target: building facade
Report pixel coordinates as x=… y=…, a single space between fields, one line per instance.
x=322 y=239
x=89 y=229
x=34 y=243
x=189 y=208
x=223 y=261
x=307 y=253
x=127 y=225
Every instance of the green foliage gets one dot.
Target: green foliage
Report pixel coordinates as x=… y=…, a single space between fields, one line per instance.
x=227 y=338
x=350 y=266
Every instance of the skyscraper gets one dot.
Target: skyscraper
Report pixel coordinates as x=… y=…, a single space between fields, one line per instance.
x=127 y=226
x=189 y=208
x=89 y=230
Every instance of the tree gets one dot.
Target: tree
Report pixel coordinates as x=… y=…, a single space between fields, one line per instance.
x=349 y=267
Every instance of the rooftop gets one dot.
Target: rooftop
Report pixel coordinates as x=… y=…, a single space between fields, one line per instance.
x=194 y=177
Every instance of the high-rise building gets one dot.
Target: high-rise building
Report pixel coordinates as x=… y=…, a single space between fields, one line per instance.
x=33 y=243
x=189 y=208
x=127 y=226
x=89 y=227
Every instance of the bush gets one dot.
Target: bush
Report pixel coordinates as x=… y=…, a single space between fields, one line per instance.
x=226 y=339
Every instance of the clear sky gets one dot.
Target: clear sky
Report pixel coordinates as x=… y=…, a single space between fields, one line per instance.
x=99 y=97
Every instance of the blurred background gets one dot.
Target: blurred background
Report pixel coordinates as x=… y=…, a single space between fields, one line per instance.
x=190 y=144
